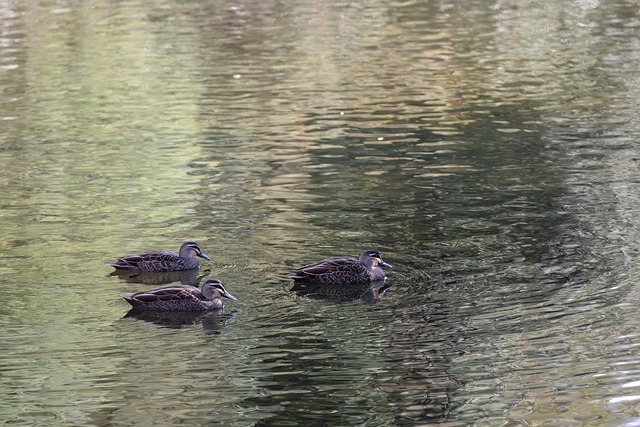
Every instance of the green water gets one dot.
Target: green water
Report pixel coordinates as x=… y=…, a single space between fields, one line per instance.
x=488 y=150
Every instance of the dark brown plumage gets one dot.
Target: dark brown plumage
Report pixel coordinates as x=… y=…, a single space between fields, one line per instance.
x=343 y=270
x=162 y=260
x=181 y=297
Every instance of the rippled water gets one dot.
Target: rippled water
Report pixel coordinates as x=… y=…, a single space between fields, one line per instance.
x=487 y=149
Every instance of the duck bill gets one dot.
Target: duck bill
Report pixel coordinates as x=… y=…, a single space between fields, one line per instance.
x=385 y=265
x=231 y=297
x=202 y=255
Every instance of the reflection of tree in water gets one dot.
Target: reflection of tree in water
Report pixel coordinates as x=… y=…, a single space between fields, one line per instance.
x=420 y=384
x=468 y=308
x=312 y=381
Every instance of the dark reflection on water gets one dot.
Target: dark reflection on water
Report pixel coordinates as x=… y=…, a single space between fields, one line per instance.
x=369 y=293
x=213 y=320
x=309 y=371
x=488 y=150
x=186 y=277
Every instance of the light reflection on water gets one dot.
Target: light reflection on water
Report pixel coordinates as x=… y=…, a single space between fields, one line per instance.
x=487 y=151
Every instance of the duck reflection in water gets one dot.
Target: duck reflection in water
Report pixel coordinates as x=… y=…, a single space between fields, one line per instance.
x=212 y=320
x=369 y=293
x=186 y=277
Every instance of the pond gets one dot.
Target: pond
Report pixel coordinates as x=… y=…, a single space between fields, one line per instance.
x=488 y=150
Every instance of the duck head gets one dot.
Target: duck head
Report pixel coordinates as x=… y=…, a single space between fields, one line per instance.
x=213 y=288
x=191 y=249
x=374 y=259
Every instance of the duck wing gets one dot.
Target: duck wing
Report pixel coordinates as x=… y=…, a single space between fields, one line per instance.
x=338 y=270
x=146 y=261
x=167 y=294
x=328 y=265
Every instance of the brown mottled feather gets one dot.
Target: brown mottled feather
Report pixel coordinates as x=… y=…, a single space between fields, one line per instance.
x=343 y=270
x=161 y=261
x=181 y=297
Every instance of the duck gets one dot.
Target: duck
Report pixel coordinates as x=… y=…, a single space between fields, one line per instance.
x=181 y=297
x=343 y=270
x=159 y=261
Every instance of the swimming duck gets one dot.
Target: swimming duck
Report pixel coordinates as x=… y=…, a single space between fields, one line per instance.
x=343 y=270
x=181 y=297
x=163 y=260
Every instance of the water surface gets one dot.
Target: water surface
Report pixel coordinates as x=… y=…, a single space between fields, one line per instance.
x=487 y=149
